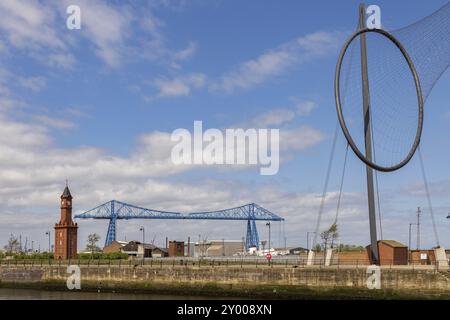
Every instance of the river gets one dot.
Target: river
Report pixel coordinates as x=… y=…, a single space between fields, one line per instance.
x=33 y=294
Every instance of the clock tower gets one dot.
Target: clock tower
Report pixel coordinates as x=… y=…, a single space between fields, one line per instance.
x=66 y=230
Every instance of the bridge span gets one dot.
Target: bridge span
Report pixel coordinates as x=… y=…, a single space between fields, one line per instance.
x=116 y=210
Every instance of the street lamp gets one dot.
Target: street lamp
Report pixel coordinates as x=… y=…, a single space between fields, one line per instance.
x=49 y=247
x=268 y=224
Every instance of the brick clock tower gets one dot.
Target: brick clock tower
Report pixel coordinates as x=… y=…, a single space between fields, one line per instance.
x=66 y=230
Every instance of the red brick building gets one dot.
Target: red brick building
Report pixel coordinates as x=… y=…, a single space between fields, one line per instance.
x=176 y=248
x=66 y=230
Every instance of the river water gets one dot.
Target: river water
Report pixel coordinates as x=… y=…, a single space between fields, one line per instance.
x=32 y=294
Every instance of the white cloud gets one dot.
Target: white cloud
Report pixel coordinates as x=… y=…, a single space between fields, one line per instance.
x=105 y=26
x=35 y=84
x=179 y=86
x=60 y=60
x=274 y=117
x=187 y=52
x=29 y=24
x=303 y=107
x=299 y=139
x=115 y=32
x=55 y=122
x=277 y=61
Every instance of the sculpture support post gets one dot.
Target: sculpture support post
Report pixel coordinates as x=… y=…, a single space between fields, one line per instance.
x=368 y=139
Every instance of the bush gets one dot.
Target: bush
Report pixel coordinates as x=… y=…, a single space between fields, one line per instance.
x=103 y=256
x=33 y=256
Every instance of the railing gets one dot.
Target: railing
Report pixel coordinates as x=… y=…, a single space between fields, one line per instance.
x=224 y=262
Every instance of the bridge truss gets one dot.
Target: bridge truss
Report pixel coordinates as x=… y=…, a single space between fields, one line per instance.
x=116 y=210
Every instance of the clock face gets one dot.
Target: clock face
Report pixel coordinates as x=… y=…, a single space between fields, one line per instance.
x=68 y=203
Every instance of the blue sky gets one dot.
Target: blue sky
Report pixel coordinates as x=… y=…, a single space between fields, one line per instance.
x=97 y=106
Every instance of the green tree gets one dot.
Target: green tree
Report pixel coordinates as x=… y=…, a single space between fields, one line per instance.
x=318 y=248
x=92 y=241
x=329 y=236
x=13 y=245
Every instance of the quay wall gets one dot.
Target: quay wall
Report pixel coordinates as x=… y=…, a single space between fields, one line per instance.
x=235 y=280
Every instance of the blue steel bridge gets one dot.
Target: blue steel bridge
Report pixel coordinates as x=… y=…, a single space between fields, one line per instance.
x=116 y=210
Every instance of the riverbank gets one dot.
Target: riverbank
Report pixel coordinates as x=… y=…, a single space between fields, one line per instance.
x=254 y=283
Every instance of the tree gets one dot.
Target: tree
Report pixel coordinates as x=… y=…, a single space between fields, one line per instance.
x=329 y=236
x=317 y=248
x=91 y=245
x=13 y=245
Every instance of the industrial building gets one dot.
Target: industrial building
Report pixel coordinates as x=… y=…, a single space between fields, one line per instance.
x=176 y=248
x=391 y=252
x=136 y=249
x=115 y=246
x=218 y=248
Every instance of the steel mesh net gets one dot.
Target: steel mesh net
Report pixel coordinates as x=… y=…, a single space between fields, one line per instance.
x=394 y=107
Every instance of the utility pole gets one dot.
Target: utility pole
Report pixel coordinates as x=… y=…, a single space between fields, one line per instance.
x=268 y=224
x=418 y=228
x=368 y=138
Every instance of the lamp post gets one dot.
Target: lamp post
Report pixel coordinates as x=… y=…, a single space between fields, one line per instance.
x=308 y=237
x=409 y=241
x=143 y=234
x=143 y=243
x=268 y=224
x=49 y=247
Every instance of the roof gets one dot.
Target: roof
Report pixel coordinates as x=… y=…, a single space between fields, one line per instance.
x=66 y=193
x=393 y=243
x=121 y=243
x=133 y=246
x=160 y=249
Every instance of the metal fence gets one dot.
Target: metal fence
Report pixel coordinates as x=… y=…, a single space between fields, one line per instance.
x=224 y=262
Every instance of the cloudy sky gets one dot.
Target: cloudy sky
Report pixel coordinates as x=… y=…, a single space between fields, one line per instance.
x=97 y=106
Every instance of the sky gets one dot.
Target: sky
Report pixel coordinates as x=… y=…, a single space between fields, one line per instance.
x=97 y=106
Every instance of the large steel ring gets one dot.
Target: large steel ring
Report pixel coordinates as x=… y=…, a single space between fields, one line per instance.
x=339 y=106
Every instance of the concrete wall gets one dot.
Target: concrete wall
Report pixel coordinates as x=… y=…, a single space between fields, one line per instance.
x=232 y=276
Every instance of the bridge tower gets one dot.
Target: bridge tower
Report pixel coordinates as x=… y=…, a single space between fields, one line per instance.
x=252 y=239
